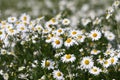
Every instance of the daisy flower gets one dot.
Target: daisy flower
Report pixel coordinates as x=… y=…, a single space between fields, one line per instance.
x=21 y=27
x=57 y=42
x=74 y=33
x=59 y=31
x=53 y=21
x=11 y=32
x=116 y=3
x=65 y=21
x=106 y=63
x=80 y=38
x=109 y=52
x=2 y=34
x=12 y=19
x=69 y=42
x=25 y=18
x=95 y=51
x=49 y=64
x=39 y=27
x=95 y=70
x=95 y=35
x=85 y=21
x=96 y=21
x=87 y=62
x=68 y=58
x=58 y=75
x=109 y=35
x=113 y=60
x=49 y=39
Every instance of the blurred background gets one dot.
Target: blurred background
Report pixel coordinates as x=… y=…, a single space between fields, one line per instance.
x=74 y=9
x=37 y=8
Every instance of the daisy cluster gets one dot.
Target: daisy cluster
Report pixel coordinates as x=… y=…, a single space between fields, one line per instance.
x=56 y=50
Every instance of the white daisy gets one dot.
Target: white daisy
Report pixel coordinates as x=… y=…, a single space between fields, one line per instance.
x=95 y=51
x=85 y=21
x=80 y=38
x=74 y=33
x=11 y=31
x=21 y=28
x=95 y=35
x=57 y=42
x=49 y=39
x=12 y=19
x=68 y=58
x=39 y=28
x=95 y=70
x=49 y=64
x=69 y=42
x=113 y=60
x=87 y=63
x=109 y=35
x=53 y=21
x=109 y=52
x=58 y=75
x=2 y=34
x=65 y=21
x=106 y=63
x=25 y=18
x=96 y=21
x=59 y=31
x=116 y=3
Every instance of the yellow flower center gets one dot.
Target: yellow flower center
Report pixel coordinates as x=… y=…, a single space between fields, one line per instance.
x=65 y=21
x=57 y=42
x=68 y=40
x=74 y=32
x=24 y=18
x=53 y=20
x=95 y=50
x=60 y=30
x=22 y=28
x=112 y=60
x=12 y=18
x=95 y=70
x=87 y=62
x=0 y=32
x=94 y=35
x=11 y=30
x=79 y=37
x=59 y=74
x=106 y=62
x=68 y=56
x=47 y=63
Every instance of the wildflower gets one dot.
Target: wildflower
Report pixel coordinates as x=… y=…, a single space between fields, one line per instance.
x=95 y=51
x=95 y=35
x=80 y=38
x=25 y=18
x=85 y=21
x=12 y=19
x=106 y=63
x=59 y=31
x=96 y=21
x=87 y=63
x=69 y=42
x=58 y=75
x=95 y=70
x=49 y=64
x=113 y=60
x=5 y=76
x=66 y=21
x=109 y=35
x=57 y=42
x=68 y=58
